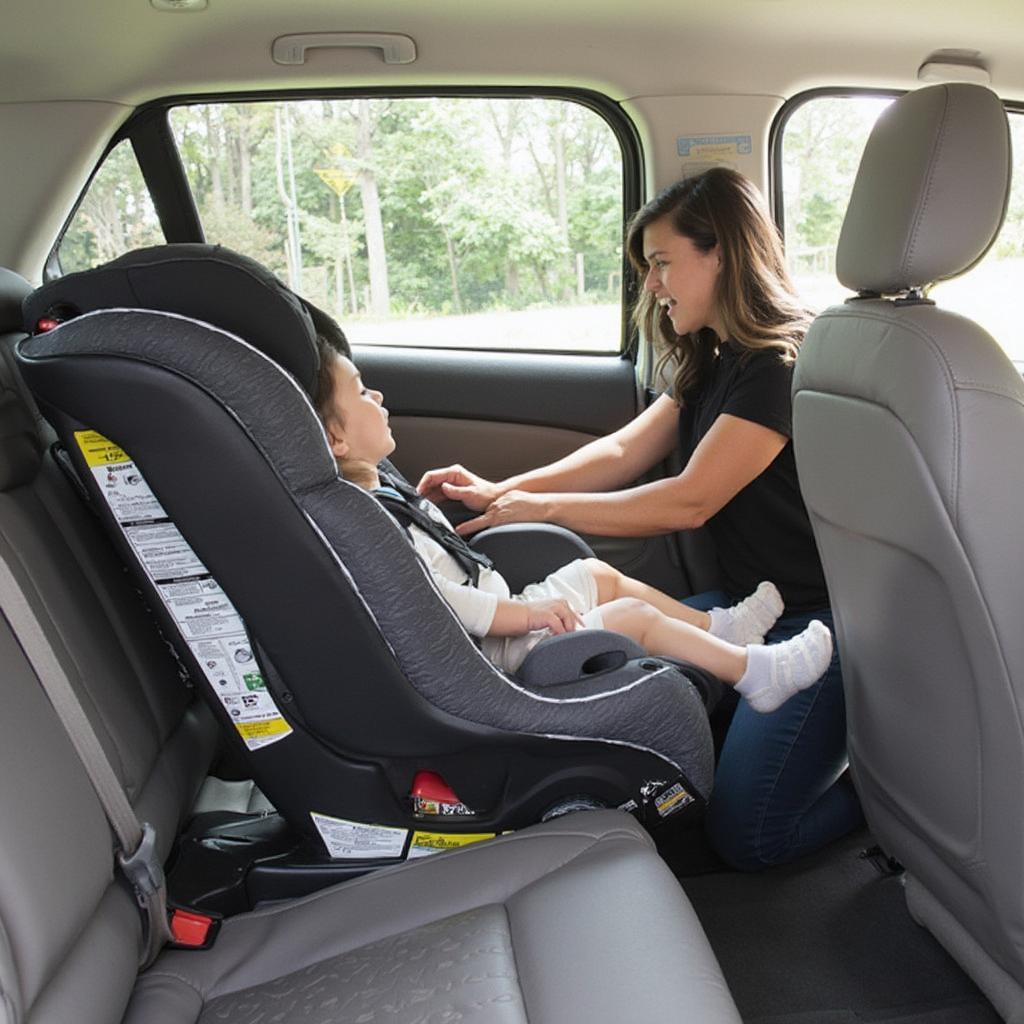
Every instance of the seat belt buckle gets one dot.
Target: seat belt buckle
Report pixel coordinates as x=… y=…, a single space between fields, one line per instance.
x=142 y=867
x=193 y=930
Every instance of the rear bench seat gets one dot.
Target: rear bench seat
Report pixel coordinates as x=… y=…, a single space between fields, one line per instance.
x=574 y=920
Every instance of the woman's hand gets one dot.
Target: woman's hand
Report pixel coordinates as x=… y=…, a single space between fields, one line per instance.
x=455 y=483
x=553 y=614
x=511 y=507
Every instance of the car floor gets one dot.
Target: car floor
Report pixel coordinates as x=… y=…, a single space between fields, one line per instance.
x=826 y=939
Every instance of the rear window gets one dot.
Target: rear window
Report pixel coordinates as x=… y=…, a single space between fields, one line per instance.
x=822 y=142
x=433 y=221
x=115 y=215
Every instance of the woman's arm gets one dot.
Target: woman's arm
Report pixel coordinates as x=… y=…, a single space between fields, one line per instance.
x=733 y=453
x=605 y=464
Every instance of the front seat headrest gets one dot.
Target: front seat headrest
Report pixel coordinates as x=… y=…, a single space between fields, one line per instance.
x=204 y=282
x=930 y=193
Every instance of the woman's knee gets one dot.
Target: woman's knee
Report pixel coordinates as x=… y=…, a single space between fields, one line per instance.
x=739 y=842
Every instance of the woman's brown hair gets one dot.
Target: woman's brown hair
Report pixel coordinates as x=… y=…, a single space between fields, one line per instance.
x=755 y=298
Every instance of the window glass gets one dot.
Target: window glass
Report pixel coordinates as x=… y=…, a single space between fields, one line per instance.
x=478 y=222
x=821 y=148
x=115 y=215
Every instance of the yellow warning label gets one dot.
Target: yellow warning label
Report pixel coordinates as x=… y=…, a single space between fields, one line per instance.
x=673 y=799
x=263 y=730
x=434 y=842
x=98 y=450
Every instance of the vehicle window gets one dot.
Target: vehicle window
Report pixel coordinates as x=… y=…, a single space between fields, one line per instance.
x=115 y=215
x=469 y=221
x=821 y=147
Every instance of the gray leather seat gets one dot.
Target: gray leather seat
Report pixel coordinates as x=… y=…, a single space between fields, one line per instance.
x=577 y=920
x=908 y=428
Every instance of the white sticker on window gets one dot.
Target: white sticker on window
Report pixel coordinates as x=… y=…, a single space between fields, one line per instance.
x=208 y=622
x=355 y=840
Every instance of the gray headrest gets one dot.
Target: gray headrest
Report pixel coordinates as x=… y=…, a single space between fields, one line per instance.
x=13 y=289
x=20 y=445
x=931 y=190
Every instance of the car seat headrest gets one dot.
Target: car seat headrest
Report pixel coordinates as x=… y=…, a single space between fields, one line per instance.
x=930 y=193
x=204 y=282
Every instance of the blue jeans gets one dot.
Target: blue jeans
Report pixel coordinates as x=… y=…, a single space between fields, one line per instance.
x=781 y=789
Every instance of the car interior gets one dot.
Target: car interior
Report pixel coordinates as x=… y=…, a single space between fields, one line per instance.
x=254 y=768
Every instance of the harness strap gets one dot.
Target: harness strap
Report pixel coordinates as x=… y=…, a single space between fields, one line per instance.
x=402 y=501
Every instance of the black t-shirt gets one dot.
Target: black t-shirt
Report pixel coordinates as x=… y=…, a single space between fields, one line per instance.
x=763 y=533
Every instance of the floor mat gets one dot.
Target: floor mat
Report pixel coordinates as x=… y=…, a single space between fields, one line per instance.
x=830 y=939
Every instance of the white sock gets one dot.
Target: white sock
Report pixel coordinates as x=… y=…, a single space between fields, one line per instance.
x=748 y=621
x=776 y=672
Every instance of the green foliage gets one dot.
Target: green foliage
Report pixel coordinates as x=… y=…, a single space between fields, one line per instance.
x=471 y=197
x=116 y=215
x=822 y=145
x=822 y=219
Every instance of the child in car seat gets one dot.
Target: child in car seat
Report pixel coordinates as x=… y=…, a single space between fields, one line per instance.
x=586 y=593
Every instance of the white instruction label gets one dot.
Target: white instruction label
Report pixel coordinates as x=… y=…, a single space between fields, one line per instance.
x=208 y=622
x=355 y=840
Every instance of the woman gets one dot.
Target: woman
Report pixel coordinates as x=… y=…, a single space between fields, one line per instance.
x=718 y=297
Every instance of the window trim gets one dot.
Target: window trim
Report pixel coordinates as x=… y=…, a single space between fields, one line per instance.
x=148 y=130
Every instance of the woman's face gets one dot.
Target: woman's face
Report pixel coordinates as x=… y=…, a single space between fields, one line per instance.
x=682 y=278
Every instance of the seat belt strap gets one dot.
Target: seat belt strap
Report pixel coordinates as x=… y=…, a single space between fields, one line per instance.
x=137 y=855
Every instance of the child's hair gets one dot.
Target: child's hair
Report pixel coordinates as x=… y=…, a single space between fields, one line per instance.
x=323 y=386
x=330 y=343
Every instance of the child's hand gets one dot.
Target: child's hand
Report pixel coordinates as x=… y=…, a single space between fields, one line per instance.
x=554 y=614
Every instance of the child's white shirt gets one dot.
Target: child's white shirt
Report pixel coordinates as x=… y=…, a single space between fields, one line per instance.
x=474 y=606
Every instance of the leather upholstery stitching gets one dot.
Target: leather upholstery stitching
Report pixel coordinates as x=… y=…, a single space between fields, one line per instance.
x=925 y=199
x=952 y=494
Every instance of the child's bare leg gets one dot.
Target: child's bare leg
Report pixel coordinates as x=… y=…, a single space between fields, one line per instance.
x=765 y=676
x=658 y=633
x=612 y=585
x=743 y=623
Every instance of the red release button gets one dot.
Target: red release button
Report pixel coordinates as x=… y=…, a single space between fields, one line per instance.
x=430 y=786
x=190 y=929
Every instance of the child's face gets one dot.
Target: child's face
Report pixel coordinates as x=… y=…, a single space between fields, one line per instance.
x=356 y=420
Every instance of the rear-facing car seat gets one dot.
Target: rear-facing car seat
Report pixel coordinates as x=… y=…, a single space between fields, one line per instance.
x=577 y=919
x=360 y=676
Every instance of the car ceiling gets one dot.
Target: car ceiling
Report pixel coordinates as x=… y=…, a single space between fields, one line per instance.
x=127 y=52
